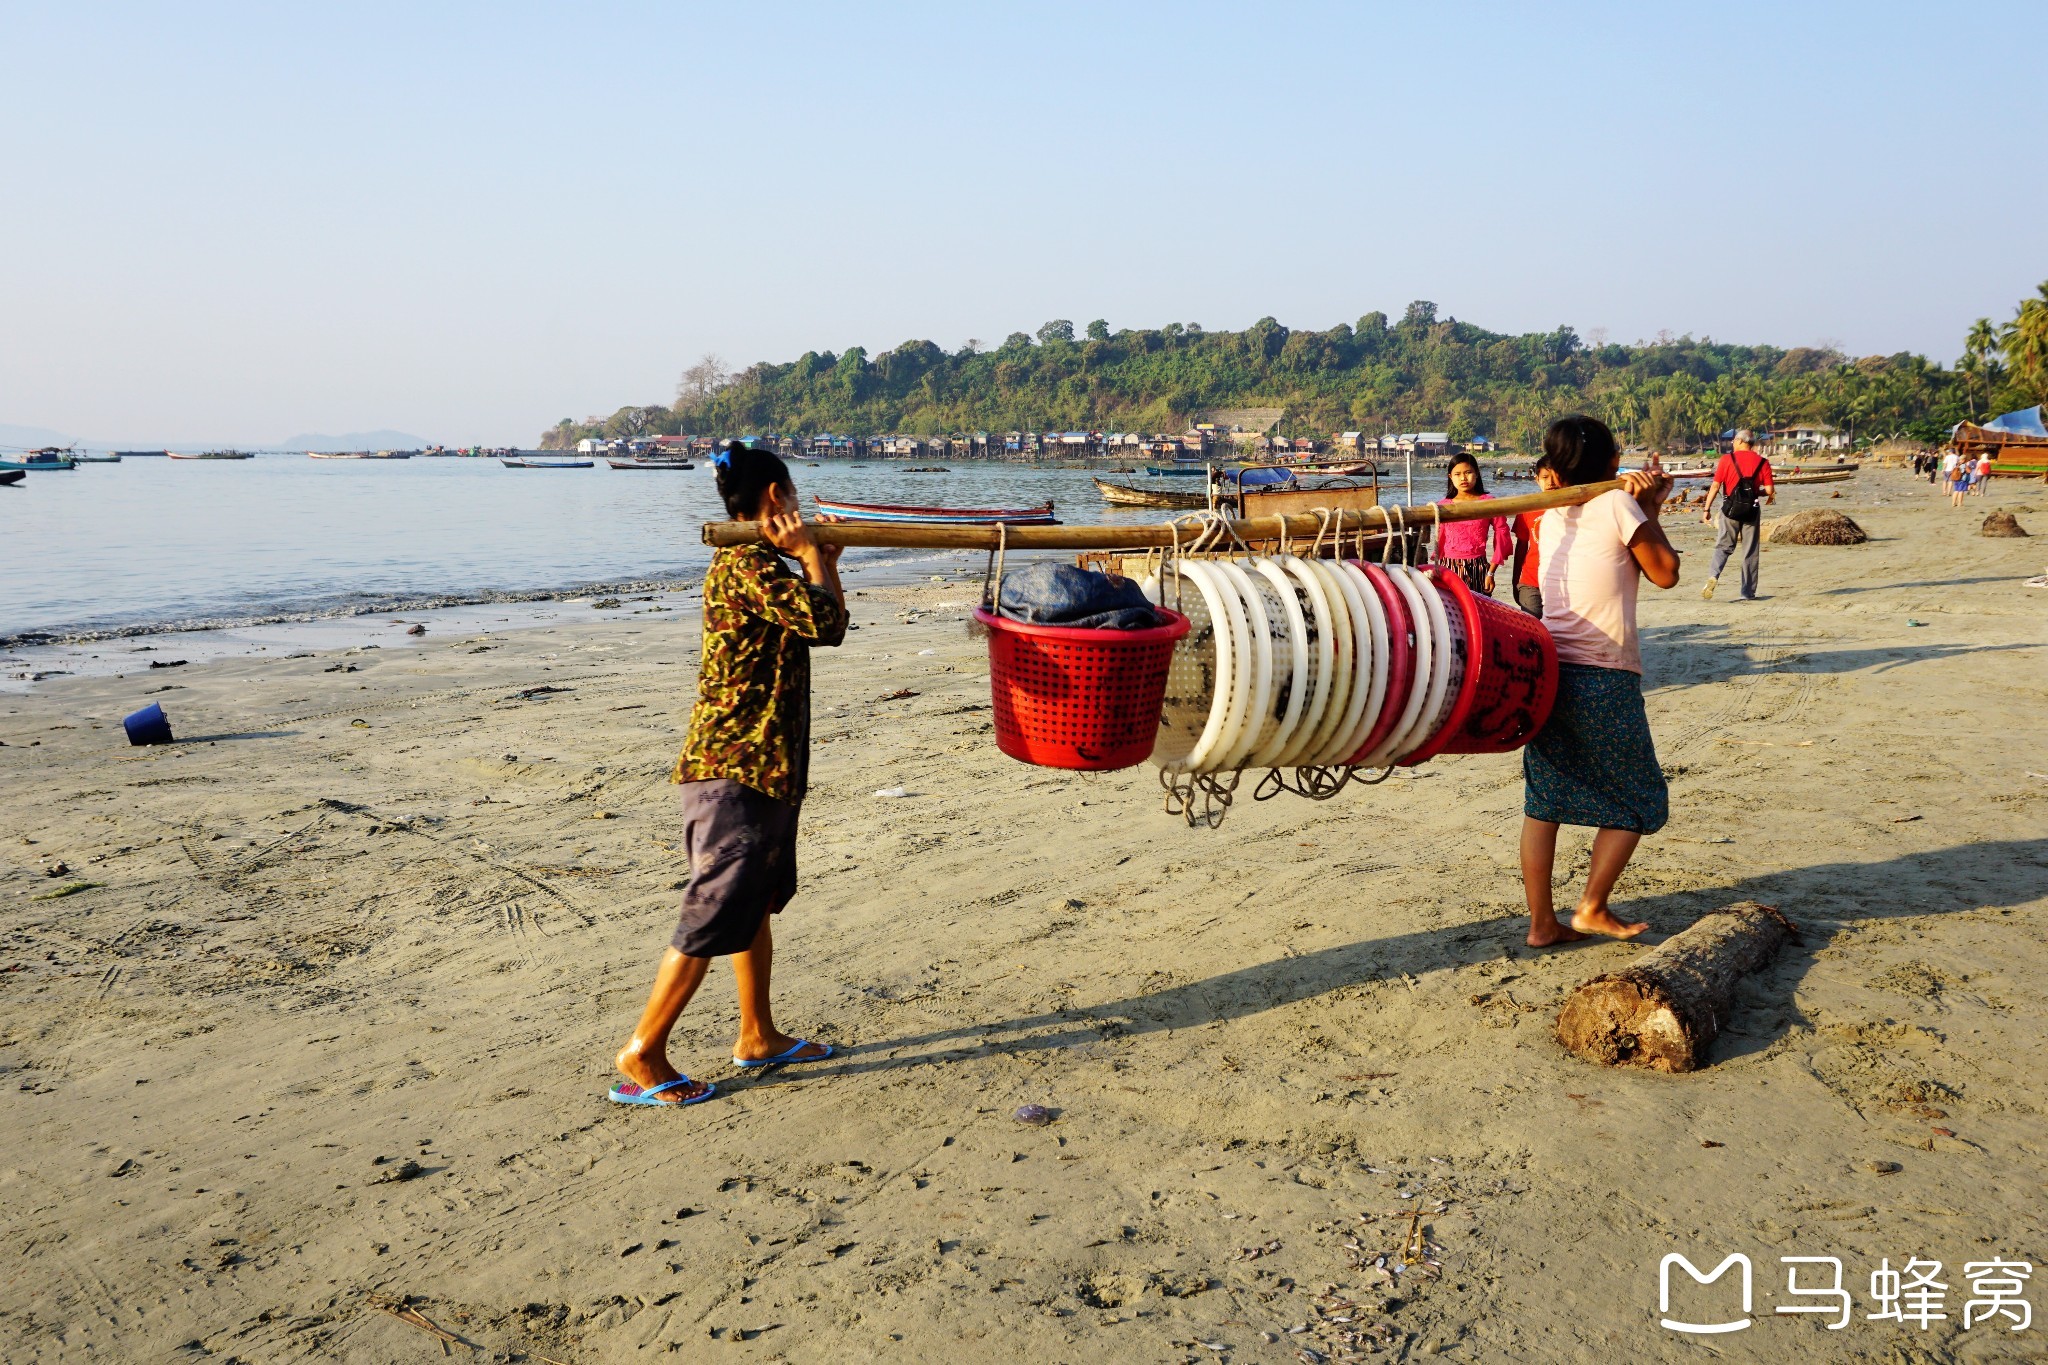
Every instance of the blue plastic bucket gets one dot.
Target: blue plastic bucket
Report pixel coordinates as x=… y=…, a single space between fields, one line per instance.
x=148 y=726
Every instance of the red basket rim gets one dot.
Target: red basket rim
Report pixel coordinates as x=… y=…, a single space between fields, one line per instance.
x=1468 y=686
x=1172 y=630
x=1398 y=653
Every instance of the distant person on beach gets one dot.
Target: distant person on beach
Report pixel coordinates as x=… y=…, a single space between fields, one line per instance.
x=1471 y=549
x=1958 y=480
x=1948 y=468
x=743 y=771
x=1742 y=483
x=1527 y=560
x=1981 y=475
x=1593 y=762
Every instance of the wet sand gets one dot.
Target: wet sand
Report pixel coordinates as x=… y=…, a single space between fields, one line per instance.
x=334 y=1026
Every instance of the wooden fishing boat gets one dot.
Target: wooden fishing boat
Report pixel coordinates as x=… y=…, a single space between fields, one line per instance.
x=1816 y=476
x=547 y=464
x=632 y=463
x=48 y=458
x=212 y=455
x=109 y=457
x=337 y=455
x=12 y=476
x=943 y=516
x=1177 y=471
x=1123 y=495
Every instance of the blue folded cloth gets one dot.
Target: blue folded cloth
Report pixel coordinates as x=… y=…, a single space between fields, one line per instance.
x=1053 y=594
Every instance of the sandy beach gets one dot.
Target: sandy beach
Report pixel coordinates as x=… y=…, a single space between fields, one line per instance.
x=329 y=1029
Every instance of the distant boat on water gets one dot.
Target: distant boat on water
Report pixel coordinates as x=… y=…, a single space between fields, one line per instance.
x=360 y=454
x=12 y=476
x=944 y=516
x=212 y=455
x=1125 y=495
x=630 y=462
x=1177 y=471
x=546 y=464
x=110 y=457
x=141 y=454
x=49 y=457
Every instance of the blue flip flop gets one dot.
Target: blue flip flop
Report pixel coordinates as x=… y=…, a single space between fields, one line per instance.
x=626 y=1092
x=787 y=1057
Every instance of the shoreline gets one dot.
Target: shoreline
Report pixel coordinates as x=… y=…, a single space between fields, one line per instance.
x=26 y=661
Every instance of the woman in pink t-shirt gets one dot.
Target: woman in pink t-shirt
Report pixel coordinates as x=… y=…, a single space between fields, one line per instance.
x=1461 y=546
x=1594 y=763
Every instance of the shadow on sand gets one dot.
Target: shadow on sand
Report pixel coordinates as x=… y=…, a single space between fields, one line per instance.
x=1687 y=655
x=1819 y=899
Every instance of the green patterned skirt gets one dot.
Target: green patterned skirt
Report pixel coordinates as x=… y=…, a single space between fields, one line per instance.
x=1593 y=763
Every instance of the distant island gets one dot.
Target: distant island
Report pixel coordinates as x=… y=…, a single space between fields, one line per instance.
x=1420 y=372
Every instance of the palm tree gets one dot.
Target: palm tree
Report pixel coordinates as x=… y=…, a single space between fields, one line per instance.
x=1978 y=346
x=2024 y=341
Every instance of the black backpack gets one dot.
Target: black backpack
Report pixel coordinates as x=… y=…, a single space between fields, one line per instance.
x=1741 y=503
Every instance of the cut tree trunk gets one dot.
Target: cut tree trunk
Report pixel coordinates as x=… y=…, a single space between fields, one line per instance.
x=1665 y=1011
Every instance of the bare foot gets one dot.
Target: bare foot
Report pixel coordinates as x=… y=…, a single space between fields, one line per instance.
x=774 y=1045
x=1600 y=920
x=1556 y=933
x=648 y=1072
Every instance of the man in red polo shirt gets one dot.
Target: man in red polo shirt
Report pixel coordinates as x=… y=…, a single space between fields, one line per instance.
x=1742 y=486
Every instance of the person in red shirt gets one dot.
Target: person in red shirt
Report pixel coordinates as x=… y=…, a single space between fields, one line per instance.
x=1528 y=576
x=1742 y=486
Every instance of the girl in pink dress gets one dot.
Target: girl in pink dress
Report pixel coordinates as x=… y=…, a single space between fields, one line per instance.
x=1463 y=546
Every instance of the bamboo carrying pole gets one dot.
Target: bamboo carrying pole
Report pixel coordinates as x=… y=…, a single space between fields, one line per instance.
x=1302 y=526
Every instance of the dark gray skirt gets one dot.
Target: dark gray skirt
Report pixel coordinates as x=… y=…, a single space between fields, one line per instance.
x=741 y=846
x=1594 y=763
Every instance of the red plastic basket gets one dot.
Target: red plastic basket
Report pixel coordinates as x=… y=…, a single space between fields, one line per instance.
x=1510 y=676
x=1400 y=657
x=1463 y=605
x=1072 y=698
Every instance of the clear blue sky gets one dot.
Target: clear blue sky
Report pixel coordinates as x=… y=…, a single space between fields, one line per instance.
x=238 y=222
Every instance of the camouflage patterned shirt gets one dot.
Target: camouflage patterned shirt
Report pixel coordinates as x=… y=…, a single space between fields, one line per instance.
x=752 y=721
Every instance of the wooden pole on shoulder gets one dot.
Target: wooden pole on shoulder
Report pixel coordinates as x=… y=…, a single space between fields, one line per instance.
x=1301 y=526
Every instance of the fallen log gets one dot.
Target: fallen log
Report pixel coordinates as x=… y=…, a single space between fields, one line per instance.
x=1664 y=1011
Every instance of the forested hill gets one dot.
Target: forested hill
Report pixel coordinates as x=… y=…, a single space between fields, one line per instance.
x=1419 y=373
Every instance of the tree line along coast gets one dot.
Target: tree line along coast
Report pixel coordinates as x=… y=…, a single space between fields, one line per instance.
x=1420 y=372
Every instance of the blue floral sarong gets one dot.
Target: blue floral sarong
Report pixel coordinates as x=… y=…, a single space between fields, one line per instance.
x=1594 y=763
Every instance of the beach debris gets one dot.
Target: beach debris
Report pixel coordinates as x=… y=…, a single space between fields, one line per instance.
x=148 y=726
x=893 y=793
x=1911 y=622
x=1815 y=527
x=544 y=690
x=607 y=603
x=359 y=724
x=1037 y=1115
x=2001 y=525
x=922 y=653
x=73 y=889
x=403 y=1310
x=168 y=663
x=56 y=869
x=339 y=668
x=416 y=630
x=1709 y=1142
x=900 y=694
x=407 y=1169
x=1881 y=1167
x=1904 y=819
x=1259 y=1251
x=1665 y=1009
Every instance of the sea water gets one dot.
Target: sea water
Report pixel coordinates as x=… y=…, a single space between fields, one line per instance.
x=152 y=544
